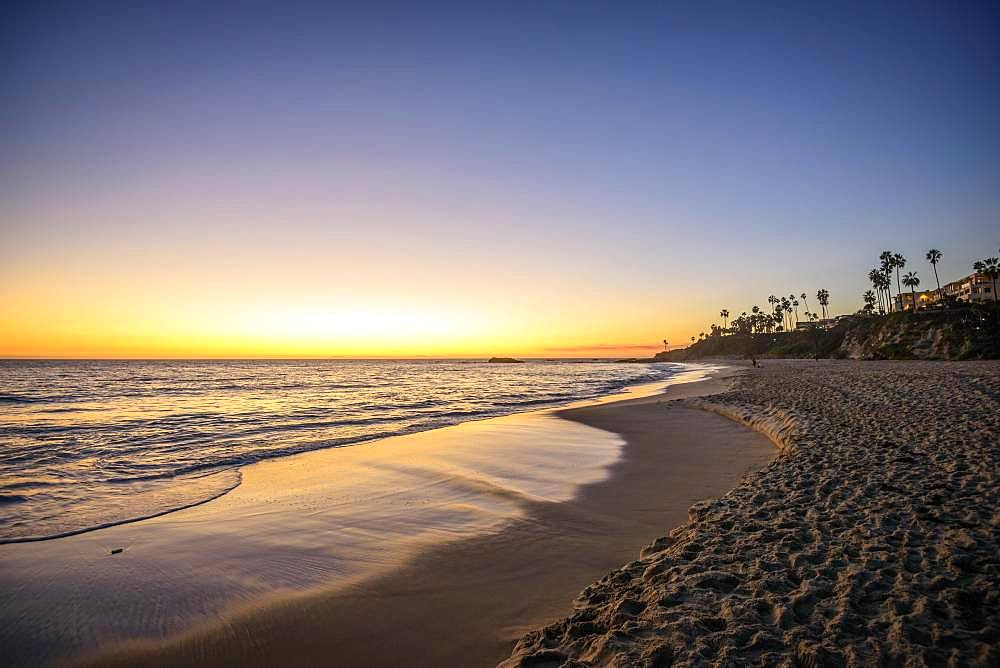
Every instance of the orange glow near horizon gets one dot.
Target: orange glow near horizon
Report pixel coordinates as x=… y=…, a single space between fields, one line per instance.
x=96 y=317
x=296 y=334
x=99 y=297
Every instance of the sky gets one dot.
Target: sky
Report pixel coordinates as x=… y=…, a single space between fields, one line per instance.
x=576 y=179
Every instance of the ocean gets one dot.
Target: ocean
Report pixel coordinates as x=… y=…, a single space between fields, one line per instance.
x=90 y=444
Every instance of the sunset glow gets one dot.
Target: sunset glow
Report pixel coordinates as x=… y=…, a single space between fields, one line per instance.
x=468 y=187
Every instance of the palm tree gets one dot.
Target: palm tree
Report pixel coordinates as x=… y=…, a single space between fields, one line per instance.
x=993 y=271
x=664 y=344
x=795 y=307
x=991 y=267
x=933 y=256
x=804 y=301
x=823 y=296
x=887 y=263
x=870 y=301
x=883 y=286
x=875 y=276
x=724 y=314
x=773 y=301
x=898 y=262
x=911 y=281
x=692 y=339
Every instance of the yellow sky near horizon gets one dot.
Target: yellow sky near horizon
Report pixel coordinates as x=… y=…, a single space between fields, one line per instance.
x=146 y=306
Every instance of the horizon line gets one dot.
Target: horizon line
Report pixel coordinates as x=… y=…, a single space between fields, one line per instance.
x=293 y=358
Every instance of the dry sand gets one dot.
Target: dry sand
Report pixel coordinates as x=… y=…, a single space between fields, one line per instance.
x=466 y=602
x=874 y=539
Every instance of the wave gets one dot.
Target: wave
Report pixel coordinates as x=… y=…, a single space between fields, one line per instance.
x=127 y=520
x=16 y=399
x=139 y=444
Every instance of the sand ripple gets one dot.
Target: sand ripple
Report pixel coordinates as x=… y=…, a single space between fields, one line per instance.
x=873 y=539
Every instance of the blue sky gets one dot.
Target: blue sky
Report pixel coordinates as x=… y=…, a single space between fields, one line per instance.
x=674 y=158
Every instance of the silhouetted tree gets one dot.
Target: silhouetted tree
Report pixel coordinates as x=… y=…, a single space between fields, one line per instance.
x=887 y=264
x=869 y=301
x=934 y=256
x=876 y=276
x=911 y=281
x=898 y=262
x=823 y=296
x=990 y=267
x=793 y=300
x=724 y=314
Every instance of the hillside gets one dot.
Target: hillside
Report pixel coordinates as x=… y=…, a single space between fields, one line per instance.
x=971 y=332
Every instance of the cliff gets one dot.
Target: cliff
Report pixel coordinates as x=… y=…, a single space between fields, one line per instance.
x=971 y=332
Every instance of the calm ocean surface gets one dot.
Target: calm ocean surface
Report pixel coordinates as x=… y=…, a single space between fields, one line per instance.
x=85 y=444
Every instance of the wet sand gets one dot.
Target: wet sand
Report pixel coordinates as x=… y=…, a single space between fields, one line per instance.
x=322 y=519
x=466 y=602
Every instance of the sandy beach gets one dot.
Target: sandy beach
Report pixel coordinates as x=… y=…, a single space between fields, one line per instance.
x=453 y=542
x=808 y=513
x=871 y=540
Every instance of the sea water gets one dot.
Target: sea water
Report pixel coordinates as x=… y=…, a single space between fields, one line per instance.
x=89 y=444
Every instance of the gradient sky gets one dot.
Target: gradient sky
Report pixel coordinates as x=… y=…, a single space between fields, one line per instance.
x=553 y=179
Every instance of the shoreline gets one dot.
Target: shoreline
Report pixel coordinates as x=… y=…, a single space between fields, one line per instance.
x=310 y=521
x=475 y=584
x=614 y=393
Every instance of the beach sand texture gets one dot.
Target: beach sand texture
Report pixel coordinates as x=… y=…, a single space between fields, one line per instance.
x=874 y=538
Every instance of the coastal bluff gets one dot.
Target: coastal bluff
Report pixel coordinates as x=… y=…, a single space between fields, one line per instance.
x=504 y=360
x=971 y=333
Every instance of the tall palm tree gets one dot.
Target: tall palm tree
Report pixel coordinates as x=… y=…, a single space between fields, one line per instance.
x=993 y=271
x=875 y=276
x=795 y=307
x=991 y=267
x=911 y=281
x=934 y=256
x=724 y=314
x=884 y=287
x=664 y=344
x=804 y=301
x=887 y=263
x=823 y=296
x=898 y=262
